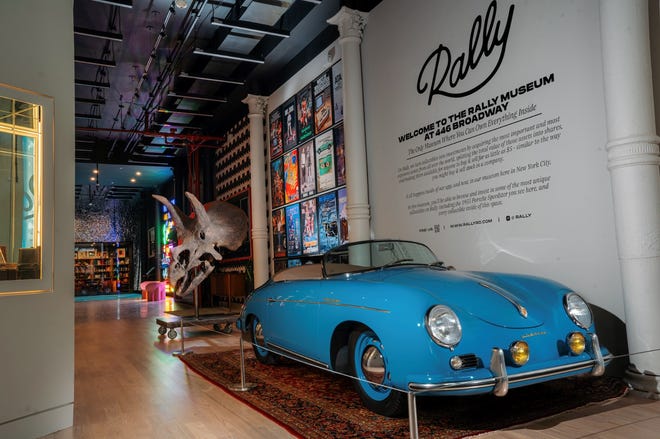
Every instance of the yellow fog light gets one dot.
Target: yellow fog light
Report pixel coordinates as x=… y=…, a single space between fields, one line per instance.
x=576 y=343
x=519 y=352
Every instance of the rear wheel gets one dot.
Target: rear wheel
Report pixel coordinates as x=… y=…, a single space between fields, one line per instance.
x=259 y=343
x=368 y=361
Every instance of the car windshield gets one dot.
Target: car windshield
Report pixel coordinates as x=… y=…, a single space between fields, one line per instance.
x=371 y=255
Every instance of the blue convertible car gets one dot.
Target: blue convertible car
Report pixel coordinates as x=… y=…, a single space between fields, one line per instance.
x=390 y=314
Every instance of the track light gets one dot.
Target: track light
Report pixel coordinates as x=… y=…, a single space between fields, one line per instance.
x=94 y=61
x=196 y=97
x=210 y=79
x=228 y=55
x=247 y=26
x=98 y=34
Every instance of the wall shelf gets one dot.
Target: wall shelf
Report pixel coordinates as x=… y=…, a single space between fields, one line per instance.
x=102 y=268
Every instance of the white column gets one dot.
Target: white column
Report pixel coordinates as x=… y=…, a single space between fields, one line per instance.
x=633 y=161
x=351 y=24
x=258 y=205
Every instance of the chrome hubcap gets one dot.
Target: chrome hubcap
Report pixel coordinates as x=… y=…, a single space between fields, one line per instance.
x=258 y=334
x=373 y=365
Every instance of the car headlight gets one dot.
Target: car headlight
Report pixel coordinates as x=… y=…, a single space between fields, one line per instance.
x=578 y=310
x=443 y=326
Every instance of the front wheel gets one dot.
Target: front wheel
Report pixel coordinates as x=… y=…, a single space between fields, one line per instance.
x=259 y=344
x=369 y=365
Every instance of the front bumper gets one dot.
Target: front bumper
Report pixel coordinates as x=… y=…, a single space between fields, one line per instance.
x=499 y=383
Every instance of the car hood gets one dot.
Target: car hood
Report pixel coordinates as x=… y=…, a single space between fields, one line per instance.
x=509 y=301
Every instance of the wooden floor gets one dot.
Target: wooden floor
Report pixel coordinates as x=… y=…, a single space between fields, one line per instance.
x=129 y=385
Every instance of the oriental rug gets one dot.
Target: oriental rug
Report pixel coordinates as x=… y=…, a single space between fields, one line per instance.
x=314 y=403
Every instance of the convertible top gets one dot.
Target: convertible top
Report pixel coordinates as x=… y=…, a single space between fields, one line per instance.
x=302 y=272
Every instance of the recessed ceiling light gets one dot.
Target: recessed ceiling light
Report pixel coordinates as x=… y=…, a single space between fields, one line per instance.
x=138 y=173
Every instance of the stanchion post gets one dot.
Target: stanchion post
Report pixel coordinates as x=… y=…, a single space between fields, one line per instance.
x=412 y=416
x=183 y=344
x=242 y=386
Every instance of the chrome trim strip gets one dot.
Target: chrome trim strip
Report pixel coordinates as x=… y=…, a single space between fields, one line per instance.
x=295 y=356
x=492 y=382
x=521 y=309
x=327 y=301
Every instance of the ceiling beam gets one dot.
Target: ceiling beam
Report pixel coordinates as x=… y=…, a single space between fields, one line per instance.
x=88 y=116
x=229 y=55
x=92 y=83
x=247 y=26
x=99 y=101
x=98 y=34
x=94 y=61
x=196 y=97
x=211 y=79
x=120 y=3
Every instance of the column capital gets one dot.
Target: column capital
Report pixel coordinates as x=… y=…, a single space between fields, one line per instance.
x=256 y=104
x=350 y=22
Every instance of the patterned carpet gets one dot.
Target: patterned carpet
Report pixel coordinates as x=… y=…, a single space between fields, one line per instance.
x=311 y=403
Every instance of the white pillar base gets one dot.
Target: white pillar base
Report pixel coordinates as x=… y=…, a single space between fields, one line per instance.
x=644 y=385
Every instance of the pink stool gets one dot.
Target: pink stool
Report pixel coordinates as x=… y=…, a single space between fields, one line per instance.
x=153 y=291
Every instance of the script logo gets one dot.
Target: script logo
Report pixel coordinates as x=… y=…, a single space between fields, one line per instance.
x=441 y=74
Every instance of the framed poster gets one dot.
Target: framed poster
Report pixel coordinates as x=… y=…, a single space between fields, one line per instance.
x=307 y=170
x=294 y=263
x=340 y=162
x=325 y=162
x=304 y=113
x=289 y=128
x=277 y=181
x=322 y=87
x=337 y=92
x=328 y=228
x=310 y=229
x=293 y=244
x=275 y=129
x=291 y=182
x=342 y=214
x=279 y=233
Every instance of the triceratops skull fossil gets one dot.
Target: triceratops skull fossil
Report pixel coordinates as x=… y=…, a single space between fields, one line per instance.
x=221 y=224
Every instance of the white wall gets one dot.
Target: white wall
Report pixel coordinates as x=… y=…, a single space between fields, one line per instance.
x=561 y=224
x=36 y=376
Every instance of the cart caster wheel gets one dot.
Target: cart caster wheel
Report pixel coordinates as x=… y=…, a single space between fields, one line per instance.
x=172 y=334
x=162 y=330
x=227 y=329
